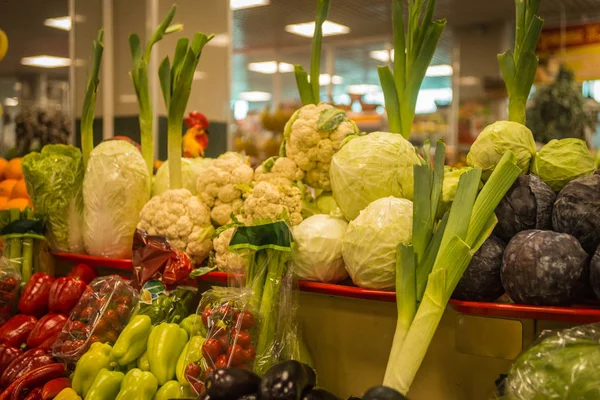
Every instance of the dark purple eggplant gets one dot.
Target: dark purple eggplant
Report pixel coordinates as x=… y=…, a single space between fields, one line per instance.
x=320 y=394
x=231 y=383
x=383 y=393
x=288 y=380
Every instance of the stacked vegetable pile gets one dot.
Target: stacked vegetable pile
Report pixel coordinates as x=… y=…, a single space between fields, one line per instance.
x=27 y=339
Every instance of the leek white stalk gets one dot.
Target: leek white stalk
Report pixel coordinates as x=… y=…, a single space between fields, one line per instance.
x=89 y=102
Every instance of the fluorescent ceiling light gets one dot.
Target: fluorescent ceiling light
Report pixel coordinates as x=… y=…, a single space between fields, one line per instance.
x=63 y=23
x=45 y=61
x=307 y=29
x=325 y=79
x=241 y=4
x=433 y=70
x=11 y=102
x=270 y=67
x=362 y=89
x=220 y=40
x=199 y=75
x=255 y=96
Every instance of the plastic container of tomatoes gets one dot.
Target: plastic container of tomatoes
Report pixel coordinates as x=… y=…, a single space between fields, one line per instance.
x=101 y=313
x=10 y=281
x=230 y=326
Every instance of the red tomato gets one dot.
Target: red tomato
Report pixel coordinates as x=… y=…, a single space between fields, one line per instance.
x=206 y=315
x=247 y=320
x=222 y=362
x=87 y=314
x=236 y=354
x=124 y=300
x=112 y=336
x=93 y=339
x=123 y=311
x=102 y=326
x=77 y=326
x=225 y=309
x=224 y=340
x=198 y=387
x=249 y=353
x=211 y=349
x=243 y=338
x=193 y=370
x=207 y=373
x=71 y=347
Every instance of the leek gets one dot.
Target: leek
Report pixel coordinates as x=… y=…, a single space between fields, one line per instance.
x=176 y=84
x=139 y=77
x=519 y=66
x=309 y=91
x=89 y=102
x=448 y=252
x=413 y=52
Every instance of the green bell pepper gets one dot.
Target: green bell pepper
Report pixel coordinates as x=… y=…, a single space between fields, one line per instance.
x=193 y=325
x=139 y=385
x=67 y=394
x=132 y=341
x=89 y=365
x=142 y=362
x=192 y=352
x=106 y=386
x=170 y=390
x=165 y=344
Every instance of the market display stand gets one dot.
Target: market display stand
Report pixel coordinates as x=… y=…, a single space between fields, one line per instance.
x=349 y=331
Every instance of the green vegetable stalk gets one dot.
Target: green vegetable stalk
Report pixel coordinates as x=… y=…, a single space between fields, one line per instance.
x=413 y=51
x=519 y=66
x=176 y=84
x=15 y=247
x=310 y=91
x=139 y=76
x=89 y=102
x=28 y=247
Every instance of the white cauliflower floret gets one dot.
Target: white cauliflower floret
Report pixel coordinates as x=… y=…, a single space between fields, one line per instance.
x=269 y=202
x=312 y=136
x=226 y=260
x=183 y=219
x=278 y=171
x=219 y=186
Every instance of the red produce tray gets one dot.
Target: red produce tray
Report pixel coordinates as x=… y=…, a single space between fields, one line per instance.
x=92 y=261
x=581 y=314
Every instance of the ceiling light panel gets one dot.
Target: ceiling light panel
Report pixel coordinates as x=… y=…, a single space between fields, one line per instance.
x=63 y=23
x=307 y=29
x=270 y=67
x=45 y=61
x=242 y=4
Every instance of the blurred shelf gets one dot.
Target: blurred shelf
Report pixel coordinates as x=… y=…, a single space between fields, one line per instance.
x=582 y=314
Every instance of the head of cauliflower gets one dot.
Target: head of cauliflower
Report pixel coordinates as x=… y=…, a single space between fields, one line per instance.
x=269 y=202
x=183 y=219
x=226 y=260
x=312 y=136
x=278 y=171
x=220 y=183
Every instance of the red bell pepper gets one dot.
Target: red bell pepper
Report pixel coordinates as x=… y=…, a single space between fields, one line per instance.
x=17 y=329
x=33 y=379
x=34 y=299
x=48 y=326
x=64 y=294
x=52 y=388
x=7 y=355
x=35 y=394
x=83 y=272
x=23 y=364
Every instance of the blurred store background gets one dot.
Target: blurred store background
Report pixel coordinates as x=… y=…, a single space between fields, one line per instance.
x=245 y=83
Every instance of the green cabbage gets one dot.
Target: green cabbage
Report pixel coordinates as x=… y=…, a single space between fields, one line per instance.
x=54 y=178
x=369 y=246
x=371 y=167
x=495 y=140
x=561 y=161
x=191 y=168
x=317 y=255
x=451 y=178
x=116 y=186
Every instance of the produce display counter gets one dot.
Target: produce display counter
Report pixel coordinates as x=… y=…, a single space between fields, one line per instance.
x=580 y=314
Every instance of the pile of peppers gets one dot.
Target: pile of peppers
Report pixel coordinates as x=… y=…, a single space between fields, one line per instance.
x=27 y=368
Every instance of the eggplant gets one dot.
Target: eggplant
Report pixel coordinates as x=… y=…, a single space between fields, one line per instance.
x=383 y=393
x=288 y=380
x=231 y=383
x=320 y=394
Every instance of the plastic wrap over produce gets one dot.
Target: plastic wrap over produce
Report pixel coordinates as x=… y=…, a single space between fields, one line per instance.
x=561 y=365
x=100 y=315
x=10 y=282
x=116 y=186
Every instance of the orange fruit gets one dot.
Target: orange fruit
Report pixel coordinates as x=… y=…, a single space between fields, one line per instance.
x=20 y=190
x=19 y=203
x=3 y=164
x=3 y=201
x=13 y=169
x=6 y=187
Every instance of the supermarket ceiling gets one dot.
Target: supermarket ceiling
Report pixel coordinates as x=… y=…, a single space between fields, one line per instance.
x=262 y=28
